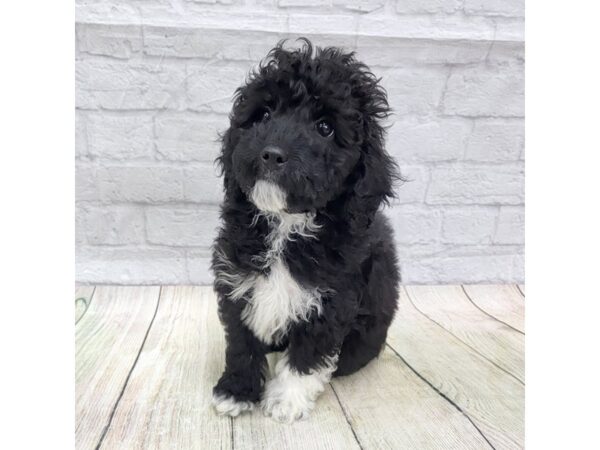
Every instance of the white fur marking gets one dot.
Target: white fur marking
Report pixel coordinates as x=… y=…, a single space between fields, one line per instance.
x=268 y=196
x=277 y=300
x=228 y=406
x=226 y=274
x=289 y=395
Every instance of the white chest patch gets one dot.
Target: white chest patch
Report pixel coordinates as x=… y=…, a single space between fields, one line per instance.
x=276 y=300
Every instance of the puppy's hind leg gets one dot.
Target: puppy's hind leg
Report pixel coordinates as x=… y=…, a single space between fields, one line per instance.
x=379 y=303
x=358 y=350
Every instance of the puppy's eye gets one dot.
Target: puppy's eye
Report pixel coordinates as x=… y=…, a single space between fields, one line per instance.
x=324 y=128
x=265 y=115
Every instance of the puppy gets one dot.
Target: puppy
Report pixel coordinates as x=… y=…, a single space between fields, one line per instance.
x=304 y=262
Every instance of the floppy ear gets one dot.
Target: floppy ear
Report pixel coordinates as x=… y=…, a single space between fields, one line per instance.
x=373 y=177
x=225 y=165
x=372 y=182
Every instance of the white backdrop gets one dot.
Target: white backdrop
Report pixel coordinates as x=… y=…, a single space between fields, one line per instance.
x=153 y=86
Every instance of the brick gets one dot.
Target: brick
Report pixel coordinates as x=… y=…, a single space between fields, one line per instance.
x=80 y=236
x=198 y=266
x=207 y=43
x=86 y=183
x=120 y=136
x=459 y=250
x=509 y=29
x=211 y=86
x=518 y=275
x=214 y=2
x=190 y=226
x=341 y=25
x=129 y=265
x=118 y=41
x=414 y=91
x=416 y=140
x=98 y=12
x=362 y=6
x=506 y=53
x=469 y=225
x=113 y=225
x=189 y=137
x=496 y=140
x=320 y=39
x=459 y=269
x=140 y=184
x=303 y=3
x=426 y=26
x=414 y=188
x=408 y=252
x=476 y=184
x=248 y=19
x=81 y=149
x=511 y=226
x=415 y=225
x=383 y=51
x=510 y=8
x=129 y=84
x=475 y=91
x=427 y=6
x=203 y=185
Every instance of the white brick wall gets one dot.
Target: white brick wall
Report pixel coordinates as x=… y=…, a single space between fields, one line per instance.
x=153 y=86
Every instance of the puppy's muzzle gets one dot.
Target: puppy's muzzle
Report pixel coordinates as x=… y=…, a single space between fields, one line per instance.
x=273 y=158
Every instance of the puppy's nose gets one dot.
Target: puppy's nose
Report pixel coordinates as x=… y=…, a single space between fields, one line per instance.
x=273 y=157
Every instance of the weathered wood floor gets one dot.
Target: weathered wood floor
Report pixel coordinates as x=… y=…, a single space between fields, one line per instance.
x=451 y=376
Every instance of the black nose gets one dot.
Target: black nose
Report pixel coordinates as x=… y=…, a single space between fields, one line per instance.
x=273 y=157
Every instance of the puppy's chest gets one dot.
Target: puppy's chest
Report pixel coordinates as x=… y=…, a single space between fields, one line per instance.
x=276 y=300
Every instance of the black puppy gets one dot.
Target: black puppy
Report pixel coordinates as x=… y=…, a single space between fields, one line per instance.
x=304 y=262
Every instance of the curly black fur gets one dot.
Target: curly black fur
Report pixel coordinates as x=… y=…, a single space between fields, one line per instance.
x=343 y=180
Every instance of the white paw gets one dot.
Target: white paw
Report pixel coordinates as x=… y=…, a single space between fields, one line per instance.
x=228 y=406
x=286 y=406
x=290 y=395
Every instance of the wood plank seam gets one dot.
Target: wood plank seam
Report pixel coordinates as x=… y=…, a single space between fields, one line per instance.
x=346 y=417
x=487 y=313
x=112 y=413
x=440 y=393
x=231 y=425
x=87 y=304
x=463 y=342
x=520 y=290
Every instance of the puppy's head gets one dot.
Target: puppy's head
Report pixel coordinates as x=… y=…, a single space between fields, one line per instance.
x=305 y=134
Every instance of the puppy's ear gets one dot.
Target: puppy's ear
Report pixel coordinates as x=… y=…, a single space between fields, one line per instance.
x=225 y=164
x=373 y=178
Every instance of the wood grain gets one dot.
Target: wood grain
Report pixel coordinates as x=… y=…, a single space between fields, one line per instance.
x=503 y=302
x=107 y=340
x=452 y=310
x=83 y=298
x=390 y=407
x=146 y=367
x=167 y=400
x=490 y=397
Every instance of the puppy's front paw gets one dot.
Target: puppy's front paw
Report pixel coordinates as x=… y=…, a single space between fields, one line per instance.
x=226 y=405
x=284 y=403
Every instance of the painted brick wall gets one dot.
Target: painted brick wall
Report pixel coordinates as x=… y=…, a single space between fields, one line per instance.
x=153 y=86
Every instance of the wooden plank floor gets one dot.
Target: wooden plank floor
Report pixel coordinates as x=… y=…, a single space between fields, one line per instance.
x=451 y=375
